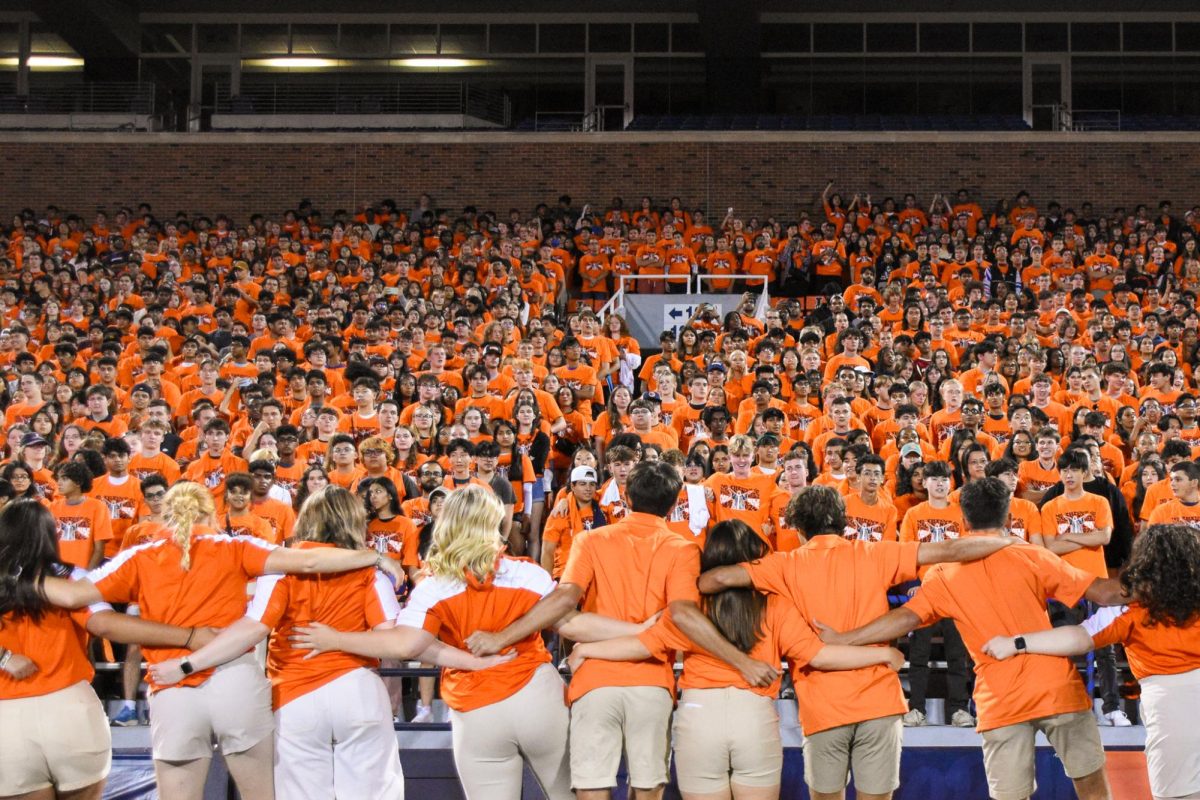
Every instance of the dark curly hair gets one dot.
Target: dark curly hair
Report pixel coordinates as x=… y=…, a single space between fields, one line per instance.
x=1164 y=574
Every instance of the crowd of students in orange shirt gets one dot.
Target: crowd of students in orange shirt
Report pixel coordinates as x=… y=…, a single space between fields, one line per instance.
x=402 y=354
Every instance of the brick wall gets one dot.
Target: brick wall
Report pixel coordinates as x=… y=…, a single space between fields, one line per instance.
x=244 y=173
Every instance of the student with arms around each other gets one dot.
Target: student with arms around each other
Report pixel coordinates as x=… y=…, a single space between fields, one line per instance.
x=1161 y=633
x=851 y=719
x=726 y=731
x=629 y=571
x=511 y=713
x=1006 y=593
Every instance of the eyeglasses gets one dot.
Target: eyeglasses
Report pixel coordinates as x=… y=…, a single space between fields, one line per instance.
x=373 y=451
x=154 y=495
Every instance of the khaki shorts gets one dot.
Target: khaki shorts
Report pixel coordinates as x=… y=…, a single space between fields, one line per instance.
x=59 y=739
x=870 y=749
x=603 y=719
x=726 y=736
x=233 y=707
x=1008 y=752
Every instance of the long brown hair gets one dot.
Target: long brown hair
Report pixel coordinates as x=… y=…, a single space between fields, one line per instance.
x=737 y=613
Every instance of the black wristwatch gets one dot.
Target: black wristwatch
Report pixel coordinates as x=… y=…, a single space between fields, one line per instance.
x=186 y=667
x=1019 y=643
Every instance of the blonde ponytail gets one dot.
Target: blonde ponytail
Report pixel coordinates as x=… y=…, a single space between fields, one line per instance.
x=186 y=504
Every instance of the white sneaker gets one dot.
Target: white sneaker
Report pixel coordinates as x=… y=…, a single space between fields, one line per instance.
x=1116 y=719
x=424 y=714
x=962 y=719
x=913 y=719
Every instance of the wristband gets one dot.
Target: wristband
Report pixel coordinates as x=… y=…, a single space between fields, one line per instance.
x=188 y=644
x=4 y=659
x=1019 y=643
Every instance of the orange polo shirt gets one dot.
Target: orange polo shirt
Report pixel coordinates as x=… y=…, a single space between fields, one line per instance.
x=358 y=600
x=1161 y=649
x=843 y=584
x=1005 y=594
x=630 y=571
x=784 y=633
x=454 y=609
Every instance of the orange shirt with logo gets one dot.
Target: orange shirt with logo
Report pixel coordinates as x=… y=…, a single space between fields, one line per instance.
x=79 y=527
x=396 y=538
x=747 y=499
x=870 y=522
x=1089 y=513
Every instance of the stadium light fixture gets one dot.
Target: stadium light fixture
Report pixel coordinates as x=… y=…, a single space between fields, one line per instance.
x=437 y=62
x=293 y=62
x=45 y=62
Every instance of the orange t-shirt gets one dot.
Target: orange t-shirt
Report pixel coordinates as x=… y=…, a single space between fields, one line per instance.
x=747 y=499
x=58 y=642
x=79 y=528
x=212 y=592
x=123 y=500
x=1174 y=512
x=870 y=523
x=1024 y=519
x=1031 y=475
x=924 y=523
x=454 y=609
x=1062 y=516
x=358 y=600
x=1151 y=649
x=844 y=584
x=396 y=538
x=630 y=571
x=1006 y=594
x=784 y=633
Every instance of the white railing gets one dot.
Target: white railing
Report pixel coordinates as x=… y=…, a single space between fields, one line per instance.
x=616 y=303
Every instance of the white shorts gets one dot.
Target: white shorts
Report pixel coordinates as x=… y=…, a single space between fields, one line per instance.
x=338 y=741
x=1169 y=707
x=233 y=707
x=58 y=740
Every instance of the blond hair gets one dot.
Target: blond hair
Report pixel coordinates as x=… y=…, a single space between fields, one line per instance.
x=186 y=504
x=466 y=536
x=741 y=444
x=334 y=516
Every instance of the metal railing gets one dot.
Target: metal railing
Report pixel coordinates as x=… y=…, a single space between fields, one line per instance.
x=88 y=98
x=400 y=97
x=1093 y=119
x=572 y=121
x=616 y=303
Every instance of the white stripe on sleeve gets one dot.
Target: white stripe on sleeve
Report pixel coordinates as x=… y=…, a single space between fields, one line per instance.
x=257 y=607
x=1103 y=618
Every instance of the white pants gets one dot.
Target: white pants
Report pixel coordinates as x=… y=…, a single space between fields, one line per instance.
x=492 y=743
x=1169 y=706
x=338 y=741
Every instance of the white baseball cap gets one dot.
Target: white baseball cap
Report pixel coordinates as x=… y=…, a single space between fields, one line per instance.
x=583 y=474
